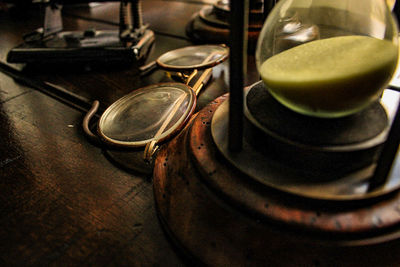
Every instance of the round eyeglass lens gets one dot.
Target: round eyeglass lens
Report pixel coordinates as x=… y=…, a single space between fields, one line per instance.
x=135 y=119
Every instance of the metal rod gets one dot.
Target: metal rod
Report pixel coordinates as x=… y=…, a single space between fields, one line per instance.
x=151 y=147
x=388 y=154
x=206 y=75
x=73 y=100
x=137 y=14
x=239 y=11
x=268 y=5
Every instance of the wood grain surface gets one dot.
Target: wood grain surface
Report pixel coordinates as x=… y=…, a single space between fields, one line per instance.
x=62 y=202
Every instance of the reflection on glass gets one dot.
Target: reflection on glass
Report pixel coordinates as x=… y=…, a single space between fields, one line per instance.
x=327 y=58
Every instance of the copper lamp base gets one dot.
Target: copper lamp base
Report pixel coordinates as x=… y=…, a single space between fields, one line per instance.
x=222 y=217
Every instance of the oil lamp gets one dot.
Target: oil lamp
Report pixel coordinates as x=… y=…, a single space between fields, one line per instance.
x=295 y=170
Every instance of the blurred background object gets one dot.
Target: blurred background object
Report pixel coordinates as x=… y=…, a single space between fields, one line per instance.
x=50 y=44
x=211 y=24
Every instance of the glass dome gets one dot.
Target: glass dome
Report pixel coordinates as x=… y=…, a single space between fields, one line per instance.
x=327 y=58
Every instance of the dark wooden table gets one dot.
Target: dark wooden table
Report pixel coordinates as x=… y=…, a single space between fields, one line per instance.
x=62 y=201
